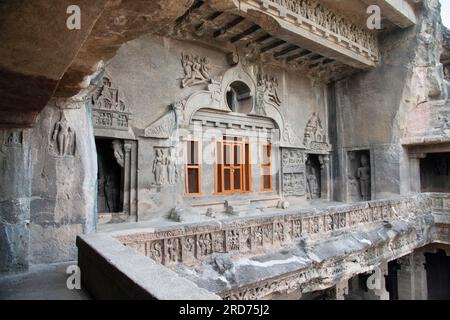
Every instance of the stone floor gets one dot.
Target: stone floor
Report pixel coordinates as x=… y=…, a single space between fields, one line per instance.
x=42 y=282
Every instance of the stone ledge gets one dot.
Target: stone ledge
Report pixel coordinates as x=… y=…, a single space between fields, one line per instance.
x=110 y=270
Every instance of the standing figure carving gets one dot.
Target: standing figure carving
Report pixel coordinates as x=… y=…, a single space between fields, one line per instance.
x=159 y=165
x=172 y=169
x=363 y=174
x=64 y=137
x=312 y=185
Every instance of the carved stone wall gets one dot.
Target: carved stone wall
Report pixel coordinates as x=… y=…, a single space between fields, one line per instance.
x=293 y=172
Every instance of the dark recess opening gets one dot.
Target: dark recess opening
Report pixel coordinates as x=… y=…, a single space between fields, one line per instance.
x=239 y=97
x=438 y=275
x=435 y=172
x=109 y=179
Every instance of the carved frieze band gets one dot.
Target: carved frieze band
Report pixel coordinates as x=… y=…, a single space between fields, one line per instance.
x=190 y=245
x=313 y=16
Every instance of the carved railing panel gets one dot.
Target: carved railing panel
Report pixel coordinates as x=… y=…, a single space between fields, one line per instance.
x=190 y=244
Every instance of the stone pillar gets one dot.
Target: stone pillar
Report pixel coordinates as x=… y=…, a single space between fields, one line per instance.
x=376 y=284
x=412 y=277
x=15 y=193
x=325 y=174
x=64 y=181
x=127 y=177
x=339 y=291
x=414 y=172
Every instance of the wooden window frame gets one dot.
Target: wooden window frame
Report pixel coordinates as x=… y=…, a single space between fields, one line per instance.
x=266 y=166
x=244 y=166
x=197 y=166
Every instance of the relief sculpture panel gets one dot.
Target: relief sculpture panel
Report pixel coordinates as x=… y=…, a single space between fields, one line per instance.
x=293 y=172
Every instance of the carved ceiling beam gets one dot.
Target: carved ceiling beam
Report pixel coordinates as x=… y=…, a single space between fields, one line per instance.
x=286 y=51
x=304 y=53
x=274 y=44
x=245 y=33
x=233 y=23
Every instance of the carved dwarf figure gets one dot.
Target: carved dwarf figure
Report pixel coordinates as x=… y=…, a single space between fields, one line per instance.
x=158 y=166
x=363 y=174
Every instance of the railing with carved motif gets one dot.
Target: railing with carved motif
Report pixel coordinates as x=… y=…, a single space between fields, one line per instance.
x=191 y=243
x=315 y=17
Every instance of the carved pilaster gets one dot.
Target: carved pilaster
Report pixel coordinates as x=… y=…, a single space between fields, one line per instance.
x=412 y=277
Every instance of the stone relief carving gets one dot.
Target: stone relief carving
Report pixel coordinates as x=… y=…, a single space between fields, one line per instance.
x=13 y=139
x=314 y=11
x=172 y=168
x=118 y=149
x=266 y=92
x=159 y=166
x=312 y=185
x=293 y=172
x=196 y=70
x=163 y=127
x=63 y=138
x=165 y=166
x=315 y=137
x=109 y=110
x=358 y=175
x=289 y=136
x=363 y=175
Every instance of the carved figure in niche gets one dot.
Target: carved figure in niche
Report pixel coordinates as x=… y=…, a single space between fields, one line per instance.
x=172 y=169
x=159 y=165
x=363 y=174
x=196 y=70
x=173 y=250
x=447 y=72
x=312 y=185
x=64 y=137
x=118 y=151
x=14 y=139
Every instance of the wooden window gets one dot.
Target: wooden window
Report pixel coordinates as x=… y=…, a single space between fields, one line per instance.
x=193 y=167
x=233 y=169
x=266 y=167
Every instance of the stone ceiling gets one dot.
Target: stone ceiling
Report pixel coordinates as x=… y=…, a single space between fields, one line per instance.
x=41 y=58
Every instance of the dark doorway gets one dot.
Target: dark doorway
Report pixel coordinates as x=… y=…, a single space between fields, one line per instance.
x=438 y=275
x=109 y=179
x=391 y=280
x=313 y=177
x=435 y=172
